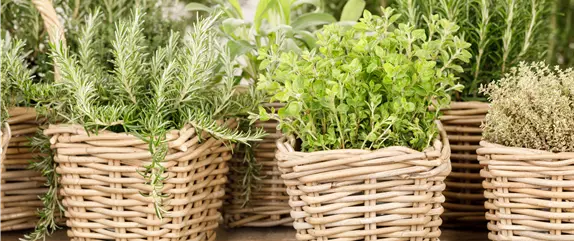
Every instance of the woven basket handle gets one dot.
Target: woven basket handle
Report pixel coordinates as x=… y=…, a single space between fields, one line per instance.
x=53 y=26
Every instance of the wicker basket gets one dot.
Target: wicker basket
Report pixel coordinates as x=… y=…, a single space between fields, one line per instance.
x=530 y=193
x=21 y=187
x=392 y=193
x=464 y=205
x=269 y=204
x=102 y=185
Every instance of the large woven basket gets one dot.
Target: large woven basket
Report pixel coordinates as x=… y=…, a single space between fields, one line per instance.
x=530 y=193
x=464 y=205
x=268 y=204
x=21 y=187
x=102 y=185
x=394 y=193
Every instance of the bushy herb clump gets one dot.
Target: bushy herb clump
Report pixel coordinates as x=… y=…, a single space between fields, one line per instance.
x=148 y=95
x=501 y=32
x=21 y=20
x=368 y=86
x=532 y=107
x=15 y=76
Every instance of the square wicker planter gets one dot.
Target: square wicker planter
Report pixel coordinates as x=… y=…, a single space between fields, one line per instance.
x=530 y=193
x=269 y=203
x=21 y=187
x=464 y=205
x=102 y=186
x=394 y=193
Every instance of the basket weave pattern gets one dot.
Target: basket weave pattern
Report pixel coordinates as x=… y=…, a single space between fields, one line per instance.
x=530 y=193
x=464 y=203
x=269 y=203
x=21 y=187
x=392 y=193
x=102 y=185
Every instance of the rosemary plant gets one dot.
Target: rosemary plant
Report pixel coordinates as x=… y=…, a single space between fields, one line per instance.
x=186 y=81
x=502 y=33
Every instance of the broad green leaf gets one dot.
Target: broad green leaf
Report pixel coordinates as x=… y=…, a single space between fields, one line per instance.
x=231 y=24
x=312 y=19
x=239 y=47
x=261 y=12
x=353 y=10
x=235 y=4
x=306 y=37
x=197 y=7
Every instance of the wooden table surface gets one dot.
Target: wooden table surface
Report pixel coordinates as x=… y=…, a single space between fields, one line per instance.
x=269 y=234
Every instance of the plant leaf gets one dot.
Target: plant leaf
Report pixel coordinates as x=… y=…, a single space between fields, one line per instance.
x=312 y=19
x=197 y=7
x=352 y=10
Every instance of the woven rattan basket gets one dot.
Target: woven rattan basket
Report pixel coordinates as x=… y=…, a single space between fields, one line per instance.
x=269 y=203
x=21 y=187
x=530 y=193
x=394 y=193
x=464 y=205
x=102 y=185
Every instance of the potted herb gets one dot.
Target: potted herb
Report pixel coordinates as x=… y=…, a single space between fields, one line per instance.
x=257 y=196
x=373 y=157
x=141 y=140
x=527 y=153
x=20 y=186
x=501 y=34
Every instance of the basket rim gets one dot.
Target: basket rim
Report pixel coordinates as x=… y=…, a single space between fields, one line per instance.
x=437 y=158
x=520 y=153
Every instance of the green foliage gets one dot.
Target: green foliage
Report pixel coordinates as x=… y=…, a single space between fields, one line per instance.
x=501 y=32
x=15 y=76
x=562 y=38
x=337 y=7
x=20 y=20
x=149 y=94
x=368 y=86
x=532 y=107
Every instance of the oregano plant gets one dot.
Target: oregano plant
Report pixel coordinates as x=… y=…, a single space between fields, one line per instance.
x=367 y=86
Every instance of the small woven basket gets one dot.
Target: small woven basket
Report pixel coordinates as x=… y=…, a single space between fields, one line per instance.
x=530 y=193
x=21 y=187
x=394 y=193
x=464 y=205
x=102 y=185
x=268 y=204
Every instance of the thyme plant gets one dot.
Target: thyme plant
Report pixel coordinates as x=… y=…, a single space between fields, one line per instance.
x=532 y=107
x=187 y=81
x=368 y=86
x=501 y=33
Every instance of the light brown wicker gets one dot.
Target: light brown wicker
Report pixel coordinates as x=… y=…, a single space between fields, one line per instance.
x=464 y=205
x=392 y=193
x=102 y=185
x=530 y=193
x=269 y=203
x=21 y=187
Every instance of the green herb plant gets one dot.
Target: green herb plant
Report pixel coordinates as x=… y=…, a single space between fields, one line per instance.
x=501 y=33
x=532 y=107
x=187 y=81
x=286 y=24
x=367 y=86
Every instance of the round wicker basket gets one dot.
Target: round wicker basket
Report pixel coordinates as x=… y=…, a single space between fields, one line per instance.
x=464 y=205
x=530 y=193
x=394 y=193
x=268 y=204
x=22 y=187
